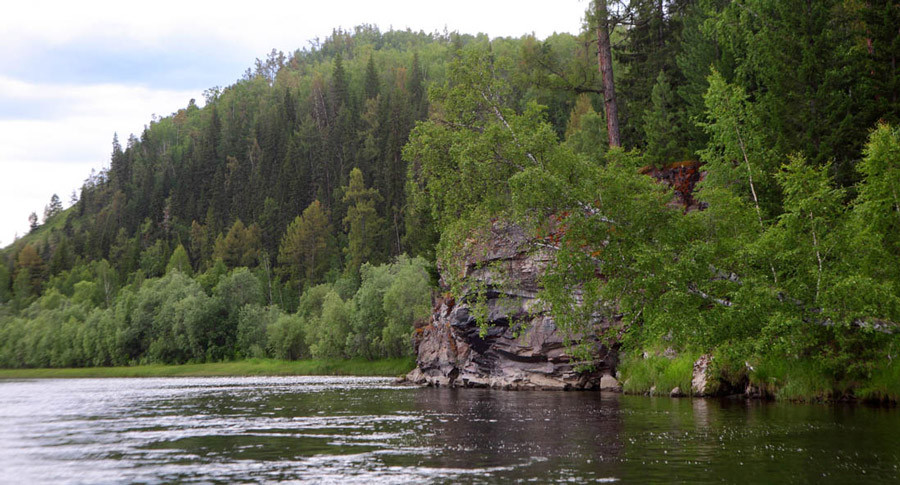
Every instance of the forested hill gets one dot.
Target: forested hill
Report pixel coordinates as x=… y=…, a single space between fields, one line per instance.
x=226 y=180
x=310 y=177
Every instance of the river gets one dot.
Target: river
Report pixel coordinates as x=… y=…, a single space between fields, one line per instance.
x=368 y=430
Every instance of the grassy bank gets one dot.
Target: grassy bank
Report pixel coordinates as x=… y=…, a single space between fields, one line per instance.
x=251 y=367
x=796 y=380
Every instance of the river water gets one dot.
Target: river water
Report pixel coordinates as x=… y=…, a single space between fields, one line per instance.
x=368 y=430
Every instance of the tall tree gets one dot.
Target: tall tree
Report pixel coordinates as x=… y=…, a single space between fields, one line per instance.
x=32 y=221
x=30 y=269
x=305 y=251
x=363 y=225
x=53 y=208
x=604 y=58
x=662 y=124
x=372 y=83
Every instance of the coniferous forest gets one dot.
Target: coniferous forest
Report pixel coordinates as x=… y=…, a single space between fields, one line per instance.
x=726 y=181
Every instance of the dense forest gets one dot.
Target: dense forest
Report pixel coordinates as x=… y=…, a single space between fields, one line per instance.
x=301 y=211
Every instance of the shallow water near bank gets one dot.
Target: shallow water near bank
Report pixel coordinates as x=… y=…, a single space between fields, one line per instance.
x=352 y=430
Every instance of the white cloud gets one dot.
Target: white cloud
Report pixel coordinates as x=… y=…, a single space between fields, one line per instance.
x=39 y=157
x=259 y=26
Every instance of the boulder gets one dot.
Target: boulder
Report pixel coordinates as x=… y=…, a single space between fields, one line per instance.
x=702 y=383
x=610 y=383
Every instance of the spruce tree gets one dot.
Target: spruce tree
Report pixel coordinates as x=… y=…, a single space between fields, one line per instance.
x=305 y=250
x=363 y=225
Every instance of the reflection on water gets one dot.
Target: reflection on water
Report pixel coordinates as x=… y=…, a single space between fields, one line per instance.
x=324 y=429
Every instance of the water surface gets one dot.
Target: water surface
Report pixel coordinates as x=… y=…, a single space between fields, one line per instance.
x=367 y=430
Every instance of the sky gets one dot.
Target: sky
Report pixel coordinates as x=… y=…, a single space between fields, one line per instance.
x=74 y=73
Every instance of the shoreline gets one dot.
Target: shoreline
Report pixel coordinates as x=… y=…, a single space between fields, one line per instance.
x=249 y=367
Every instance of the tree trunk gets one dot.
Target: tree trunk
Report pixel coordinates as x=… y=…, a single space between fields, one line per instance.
x=604 y=57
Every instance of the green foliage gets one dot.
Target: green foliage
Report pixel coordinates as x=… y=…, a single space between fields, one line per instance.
x=174 y=321
x=586 y=130
x=327 y=332
x=211 y=277
x=304 y=252
x=406 y=300
x=883 y=385
x=876 y=210
x=5 y=282
x=802 y=243
x=364 y=226
x=662 y=125
x=30 y=270
x=240 y=247
x=738 y=156
x=794 y=379
x=179 y=261
x=657 y=375
x=252 y=324
x=390 y=298
x=286 y=338
x=153 y=259
x=239 y=288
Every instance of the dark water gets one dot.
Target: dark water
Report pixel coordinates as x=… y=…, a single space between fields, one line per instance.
x=357 y=430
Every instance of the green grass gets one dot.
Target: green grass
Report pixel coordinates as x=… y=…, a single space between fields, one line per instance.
x=795 y=380
x=883 y=385
x=251 y=367
x=639 y=375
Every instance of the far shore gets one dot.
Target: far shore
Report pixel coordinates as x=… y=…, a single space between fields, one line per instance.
x=250 y=367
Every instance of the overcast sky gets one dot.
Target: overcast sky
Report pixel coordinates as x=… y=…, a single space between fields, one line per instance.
x=74 y=73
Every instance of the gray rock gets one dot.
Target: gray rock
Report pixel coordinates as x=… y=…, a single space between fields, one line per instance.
x=702 y=384
x=676 y=392
x=752 y=391
x=452 y=352
x=610 y=383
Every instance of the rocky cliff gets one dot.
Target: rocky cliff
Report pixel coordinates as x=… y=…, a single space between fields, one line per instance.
x=522 y=348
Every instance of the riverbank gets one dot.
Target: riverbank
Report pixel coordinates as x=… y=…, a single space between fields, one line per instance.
x=666 y=373
x=250 y=367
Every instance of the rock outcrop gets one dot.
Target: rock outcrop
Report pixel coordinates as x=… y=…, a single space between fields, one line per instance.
x=522 y=347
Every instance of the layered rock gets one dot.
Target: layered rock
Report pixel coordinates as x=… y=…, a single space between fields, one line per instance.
x=522 y=347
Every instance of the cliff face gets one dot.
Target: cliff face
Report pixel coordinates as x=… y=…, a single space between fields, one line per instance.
x=523 y=348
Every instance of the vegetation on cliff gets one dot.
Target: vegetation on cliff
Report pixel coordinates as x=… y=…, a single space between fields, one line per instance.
x=792 y=259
